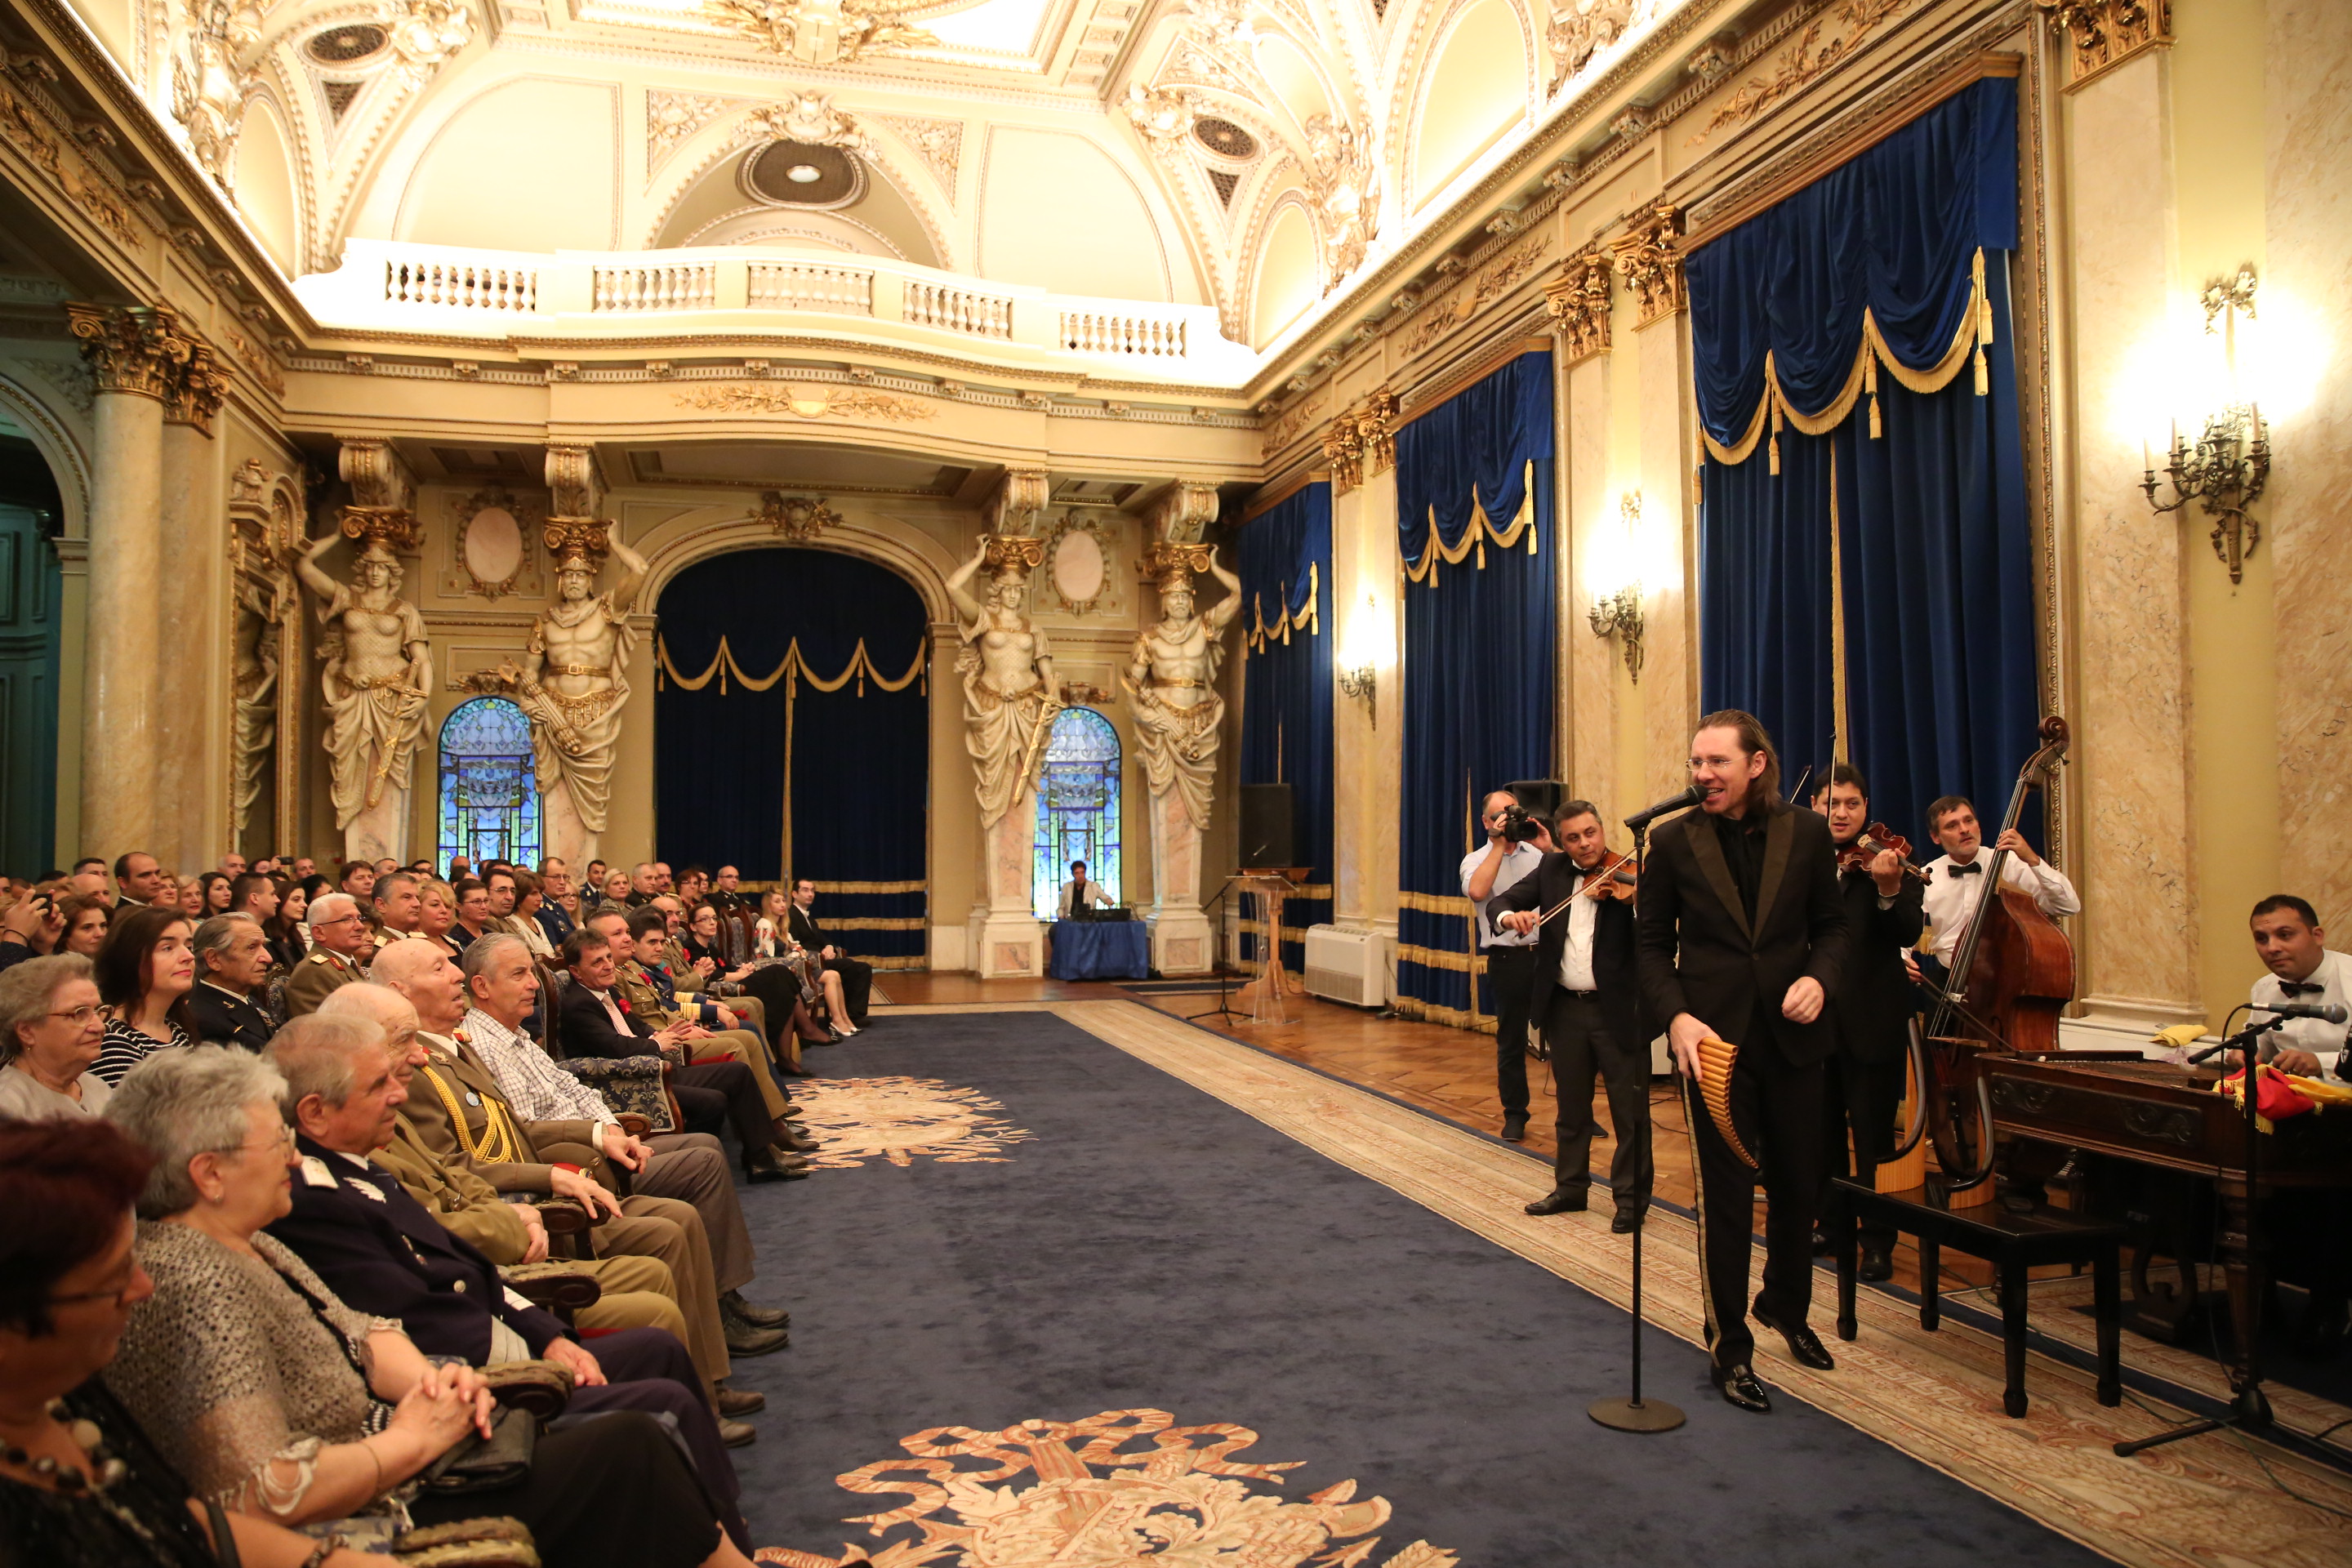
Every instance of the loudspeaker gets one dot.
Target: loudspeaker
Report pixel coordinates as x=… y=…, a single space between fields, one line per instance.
x=1540 y=797
x=1265 y=825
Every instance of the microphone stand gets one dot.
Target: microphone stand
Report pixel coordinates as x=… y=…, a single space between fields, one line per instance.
x=2249 y=1410
x=1224 y=1008
x=1633 y=1414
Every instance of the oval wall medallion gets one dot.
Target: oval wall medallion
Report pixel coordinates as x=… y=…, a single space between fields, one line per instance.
x=1079 y=568
x=493 y=550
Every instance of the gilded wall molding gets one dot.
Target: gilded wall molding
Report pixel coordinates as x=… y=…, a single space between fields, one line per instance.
x=1578 y=300
x=796 y=519
x=1649 y=258
x=2103 y=34
x=1376 y=424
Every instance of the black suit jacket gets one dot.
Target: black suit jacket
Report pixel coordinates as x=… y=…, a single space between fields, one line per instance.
x=1872 y=1001
x=807 y=931
x=1700 y=955
x=387 y=1256
x=587 y=1031
x=219 y=1018
x=1614 y=972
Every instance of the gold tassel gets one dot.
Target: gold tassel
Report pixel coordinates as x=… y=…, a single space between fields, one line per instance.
x=1984 y=378
x=1482 y=550
x=1775 y=453
x=1984 y=326
x=1870 y=379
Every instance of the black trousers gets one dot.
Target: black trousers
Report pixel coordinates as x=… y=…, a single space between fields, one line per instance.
x=739 y=1095
x=1860 y=1099
x=1582 y=1048
x=856 y=984
x=1777 y=1108
x=1511 y=978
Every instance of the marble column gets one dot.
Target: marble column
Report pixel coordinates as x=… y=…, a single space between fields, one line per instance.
x=193 y=544
x=1662 y=552
x=1588 y=527
x=2308 y=222
x=136 y=351
x=1367 y=739
x=2137 y=941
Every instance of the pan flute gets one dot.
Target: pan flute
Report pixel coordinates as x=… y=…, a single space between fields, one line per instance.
x=1715 y=1059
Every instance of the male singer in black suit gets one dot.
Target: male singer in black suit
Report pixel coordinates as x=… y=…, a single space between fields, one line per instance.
x=1587 y=999
x=1741 y=938
x=857 y=974
x=1869 y=1007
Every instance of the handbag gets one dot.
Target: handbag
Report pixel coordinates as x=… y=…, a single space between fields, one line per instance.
x=466 y=1543
x=480 y=1464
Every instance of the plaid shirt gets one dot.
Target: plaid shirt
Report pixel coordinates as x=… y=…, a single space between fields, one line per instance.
x=535 y=1089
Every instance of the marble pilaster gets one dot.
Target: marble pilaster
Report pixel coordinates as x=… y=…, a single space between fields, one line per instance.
x=192 y=549
x=1367 y=618
x=1669 y=666
x=1589 y=704
x=1005 y=938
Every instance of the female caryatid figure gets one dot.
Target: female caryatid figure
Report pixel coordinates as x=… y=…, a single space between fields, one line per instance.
x=1173 y=677
x=574 y=681
x=378 y=671
x=1009 y=695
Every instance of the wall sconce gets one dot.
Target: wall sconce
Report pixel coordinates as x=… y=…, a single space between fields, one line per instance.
x=1620 y=615
x=1363 y=683
x=2225 y=471
x=1367 y=642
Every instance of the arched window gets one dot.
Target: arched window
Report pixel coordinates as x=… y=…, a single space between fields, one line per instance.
x=1077 y=806
x=490 y=788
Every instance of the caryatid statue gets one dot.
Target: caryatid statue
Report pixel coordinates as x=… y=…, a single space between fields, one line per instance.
x=1173 y=677
x=1009 y=695
x=378 y=671
x=573 y=682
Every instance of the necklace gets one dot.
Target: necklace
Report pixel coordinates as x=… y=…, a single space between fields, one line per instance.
x=72 y=1483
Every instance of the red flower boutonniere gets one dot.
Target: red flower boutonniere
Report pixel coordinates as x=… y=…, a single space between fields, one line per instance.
x=623 y=1002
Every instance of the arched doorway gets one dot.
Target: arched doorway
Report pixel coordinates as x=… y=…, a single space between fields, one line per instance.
x=1077 y=807
x=31 y=585
x=792 y=736
x=488 y=804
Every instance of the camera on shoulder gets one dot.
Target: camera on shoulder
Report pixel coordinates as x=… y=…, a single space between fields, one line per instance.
x=1516 y=826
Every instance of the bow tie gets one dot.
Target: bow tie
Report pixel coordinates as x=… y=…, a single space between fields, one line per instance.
x=2292 y=988
x=1973 y=868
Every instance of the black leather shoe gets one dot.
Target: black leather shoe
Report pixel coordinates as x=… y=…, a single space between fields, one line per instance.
x=1739 y=1386
x=767 y=1170
x=1822 y=1242
x=733 y=1303
x=1877 y=1264
x=1803 y=1343
x=1514 y=1127
x=1624 y=1223
x=1559 y=1200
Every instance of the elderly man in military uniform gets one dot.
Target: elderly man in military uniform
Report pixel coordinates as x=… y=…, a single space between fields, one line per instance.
x=340 y=941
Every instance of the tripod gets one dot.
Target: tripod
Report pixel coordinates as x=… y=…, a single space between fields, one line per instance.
x=2249 y=1410
x=1224 y=1009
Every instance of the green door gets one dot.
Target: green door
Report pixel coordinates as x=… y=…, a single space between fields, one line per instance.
x=28 y=665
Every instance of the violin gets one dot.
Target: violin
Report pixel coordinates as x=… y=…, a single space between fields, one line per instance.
x=1611 y=871
x=1871 y=842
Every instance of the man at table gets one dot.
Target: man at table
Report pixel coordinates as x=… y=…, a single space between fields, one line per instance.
x=1081 y=892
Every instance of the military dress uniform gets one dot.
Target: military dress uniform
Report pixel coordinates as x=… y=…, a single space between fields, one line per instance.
x=317 y=976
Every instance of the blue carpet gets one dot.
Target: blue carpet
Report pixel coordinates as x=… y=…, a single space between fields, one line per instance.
x=1150 y=1247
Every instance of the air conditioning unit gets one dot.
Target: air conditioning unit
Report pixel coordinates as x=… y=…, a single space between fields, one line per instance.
x=1348 y=966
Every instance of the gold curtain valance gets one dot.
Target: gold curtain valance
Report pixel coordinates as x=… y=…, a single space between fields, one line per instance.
x=861 y=667
x=1475 y=538
x=1309 y=620
x=1975 y=336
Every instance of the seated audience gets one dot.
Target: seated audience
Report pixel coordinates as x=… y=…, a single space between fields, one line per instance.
x=440 y=914
x=51 y=1027
x=473 y=901
x=289 y=929
x=615 y=890
x=228 y=1005
x=212 y=890
x=137 y=879
x=33 y=925
x=780 y=988
x=276 y=1398
x=399 y=908
x=683 y=990
x=854 y=976
x=87 y=917
x=523 y=921
x=559 y=909
x=357 y=880
x=82 y=1486
x=340 y=941
x=144 y=973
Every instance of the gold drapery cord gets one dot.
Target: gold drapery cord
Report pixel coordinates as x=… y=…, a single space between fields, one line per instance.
x=1308 y=619
x=1476 y=537
x=1773 y=408
x=860 y=667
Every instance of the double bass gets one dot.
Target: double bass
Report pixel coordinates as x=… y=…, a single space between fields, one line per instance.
x=2010 y=979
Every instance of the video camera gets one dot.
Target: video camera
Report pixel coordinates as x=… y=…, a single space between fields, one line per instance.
x=1518 y=826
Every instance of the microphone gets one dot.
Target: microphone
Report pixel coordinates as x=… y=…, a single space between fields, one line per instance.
x=1683 y=802
x=2326 y=1012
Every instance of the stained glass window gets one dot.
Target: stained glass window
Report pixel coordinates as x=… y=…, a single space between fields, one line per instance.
x=1077 y=807
x=490 y=788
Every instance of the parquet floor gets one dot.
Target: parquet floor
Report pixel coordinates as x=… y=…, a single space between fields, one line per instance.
x=1447 y=1072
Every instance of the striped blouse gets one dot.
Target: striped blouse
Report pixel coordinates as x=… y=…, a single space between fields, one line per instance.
x=125 y=1047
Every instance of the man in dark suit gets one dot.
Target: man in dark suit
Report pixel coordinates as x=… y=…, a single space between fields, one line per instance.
x=383 y=1253
x=857 y=974
x=1869 y=1007
x=1587 y=999
x=1741 y=938
x=232 y=965
x=597 y=1021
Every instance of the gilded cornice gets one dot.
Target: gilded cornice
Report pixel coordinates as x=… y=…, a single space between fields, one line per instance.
x=2103 y=34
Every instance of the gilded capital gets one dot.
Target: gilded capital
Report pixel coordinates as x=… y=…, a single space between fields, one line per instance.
x=1343 y=448
x=1376 y=423
x=575 y=542
x=1172 y=566
x=134 y=349
x=1579 y=300
x=2103 y=34
x=380 y=479
x=1649 y=257
x=1018 y=503
x=1183 y=516
x=194 y=395
x=572 y=476
x=1015 y=553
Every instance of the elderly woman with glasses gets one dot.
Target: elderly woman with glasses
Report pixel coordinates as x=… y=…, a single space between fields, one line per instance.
x=278 y=1400
x=51 y=1026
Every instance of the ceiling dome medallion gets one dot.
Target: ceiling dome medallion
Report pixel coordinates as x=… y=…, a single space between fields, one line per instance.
x=347 y=44
x=1225 y=138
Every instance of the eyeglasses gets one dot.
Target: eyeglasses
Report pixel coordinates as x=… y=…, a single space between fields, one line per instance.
x=283 y=1143
x=338 y=919
x=119 y=1295
x=80 y=1018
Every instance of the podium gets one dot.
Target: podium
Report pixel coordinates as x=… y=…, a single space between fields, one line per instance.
x=1270 y=886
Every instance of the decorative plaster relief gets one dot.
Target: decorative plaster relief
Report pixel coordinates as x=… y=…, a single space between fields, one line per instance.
x=806 y=402
x=489 y=551
x=1806 y=62
x=673 y=118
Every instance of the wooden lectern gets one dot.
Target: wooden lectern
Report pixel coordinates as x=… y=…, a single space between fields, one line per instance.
x=1270 y=884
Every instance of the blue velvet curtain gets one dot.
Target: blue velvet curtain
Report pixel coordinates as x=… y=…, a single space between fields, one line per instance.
x=1287 y=630
x=1854 y=374
x=1475 y=481
x=859 y=755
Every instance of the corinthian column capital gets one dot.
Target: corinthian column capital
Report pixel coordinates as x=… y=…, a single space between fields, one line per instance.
x=134 y=349
x=194 y=397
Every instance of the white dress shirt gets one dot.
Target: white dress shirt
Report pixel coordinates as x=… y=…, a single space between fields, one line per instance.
x=2321 y=1038
x=1576 y=952
x=535 y=1088
x=1521 y=860
x=1951 y=901
x=1076 y=894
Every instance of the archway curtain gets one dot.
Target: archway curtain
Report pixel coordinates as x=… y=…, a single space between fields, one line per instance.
x=1475 y=482
x=1857 y=400
x=1286 y=633
x=792 y=736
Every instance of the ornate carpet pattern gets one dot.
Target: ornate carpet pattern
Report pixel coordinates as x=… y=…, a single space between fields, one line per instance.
x=857 y=1119
x=1934 y=1397
x=1094 y=1498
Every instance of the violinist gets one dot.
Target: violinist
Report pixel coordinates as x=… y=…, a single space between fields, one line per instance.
x=1955 y=877
x=1578 y=907
x=1869 y=1007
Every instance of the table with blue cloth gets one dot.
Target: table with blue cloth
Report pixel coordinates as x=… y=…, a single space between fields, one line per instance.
x=1101 y=950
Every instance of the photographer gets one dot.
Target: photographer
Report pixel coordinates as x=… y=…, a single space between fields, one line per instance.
x=1515 y=843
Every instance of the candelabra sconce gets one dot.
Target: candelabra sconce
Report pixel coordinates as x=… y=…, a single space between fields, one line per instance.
x=1363 y=683
x=1620 y=615
x=2224 y=472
